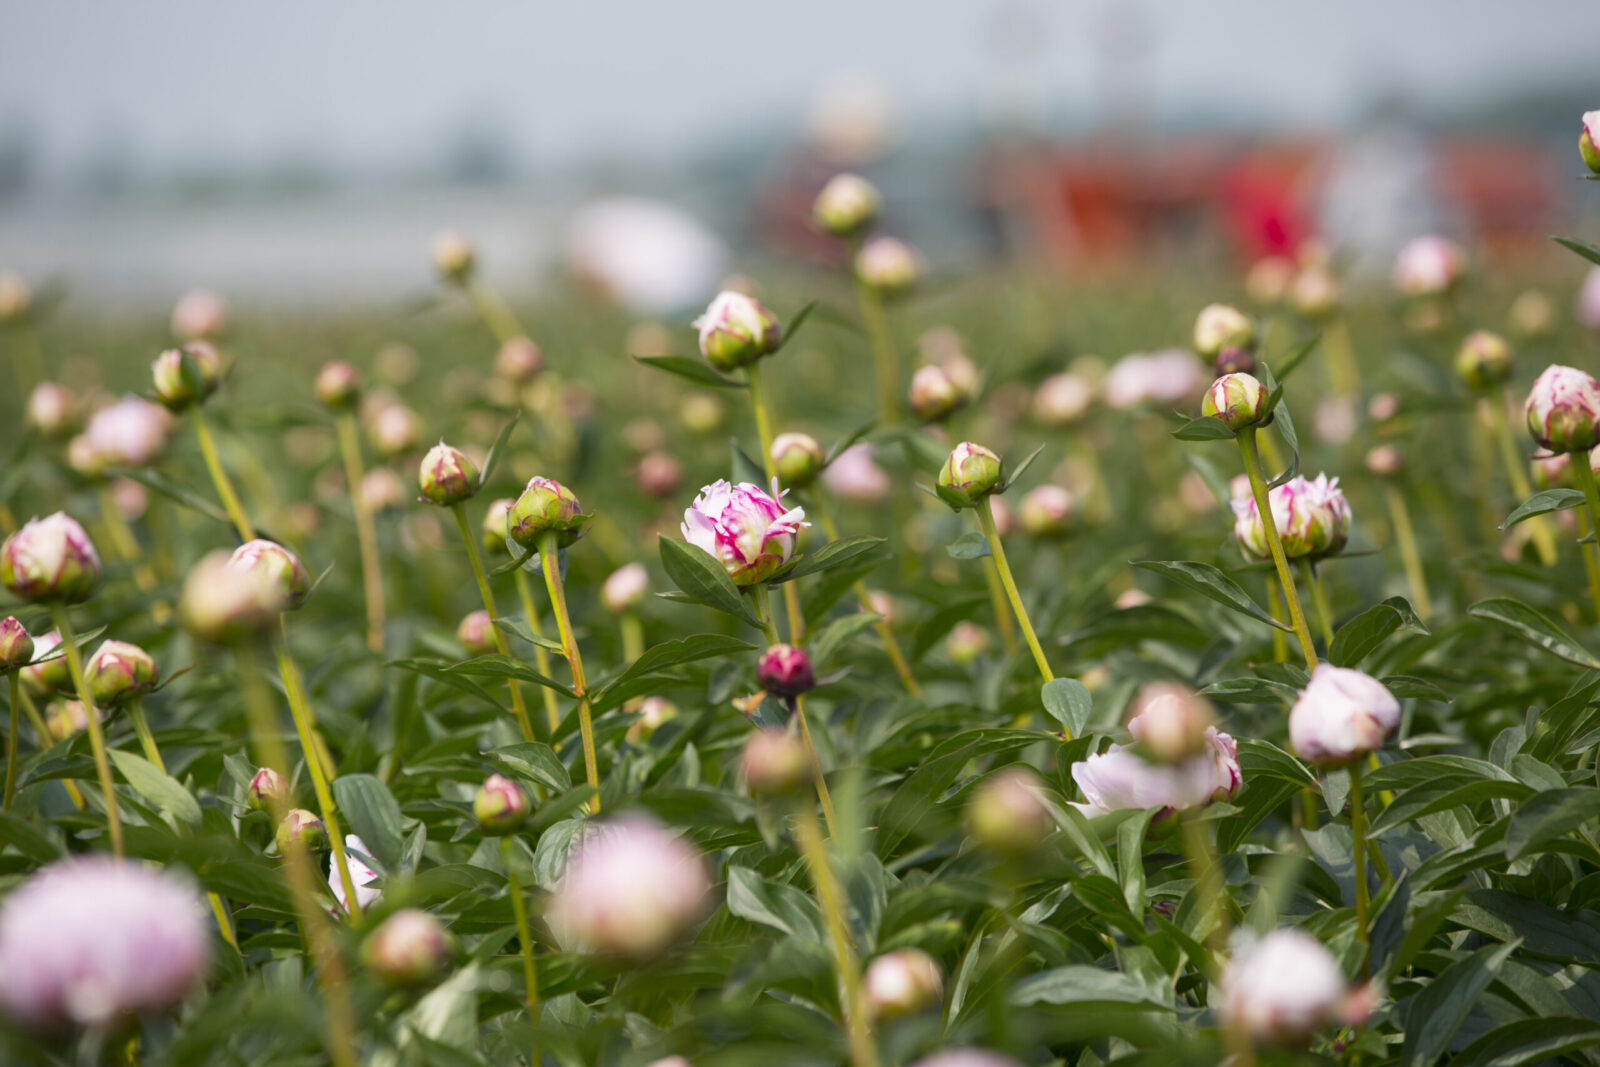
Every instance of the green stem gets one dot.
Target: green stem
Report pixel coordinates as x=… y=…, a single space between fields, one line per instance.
x=518 y=707
x=1405 y=537
x=530 y=974
x=1319 y=603
x=219 y=477
x=493 y=310
x=1280 y=647
x=1358 y=848
x=758 y=596
x=366 y=529
x=13 y=679
x=997 y=550
x=147 y=740
x=541 y=656
x=997 y=604
x=632 y=647
x=1591 y=495
x=862 y=1051
x=26 y=360
x=1258 y=488
x=891 y=647
x=1516 y=473
x=550 y=563
x=1208 y=886
x=758 y=404
x=97 y=736
x=876 y=320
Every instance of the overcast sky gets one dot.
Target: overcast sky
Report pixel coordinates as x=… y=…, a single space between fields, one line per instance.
x=375 y=82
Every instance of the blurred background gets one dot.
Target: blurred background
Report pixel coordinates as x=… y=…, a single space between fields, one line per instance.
x=303 y=154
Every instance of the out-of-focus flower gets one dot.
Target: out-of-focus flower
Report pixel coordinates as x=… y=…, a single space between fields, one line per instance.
x=1122 y=778
x=934 y=395
x=970 y=473
x=1046 y=511
x=1007 y=812
x=966 y=1057
x=302 y=826
x=382 y=490
x=338 y=385
x=497 y=524
x=1484 y=360
x=394 y=430
x=1341 y=715
x=519 y=360
x=453 y=256
x=630 y=888
x=1335 y=419
x=1564 y=410
x=1268 y=280
x=1429 y=266
x=52 y=409
x=903 y=982
x=50 y=559
x=90 y=940
x=1315 y=292
x=16 y=297
x=16 y=645
x=649 y=256
x=1169 y=377
x=1312 y=519
x=1587 y=307
x=1062 y=399
x=1237 y=400
x=1385 y=461
x=1383 y=407
x=47 y=672
x=63 y=718
x=941 y=345
x=1234 y=361
x=653 y=711
x=447 y=476
x=701 y=413
x=1171 y=722
x=187 y=375
x=1589 y=140
x=199 y=315
x=882 y=603
x=546 y=506
x=773 y=763
x=475 y=633
x=1219 y=327
x=967 y=641
x=736 y=330
x=848 y=205
x=625 y=587
x=797 y=457
x=1554 y=471
x=119 y=672
x=362 y=875
x=887 y=266
x=744 y=528
x=785 y=671
x=130 y=433
x=222 y=603
x=267 y=789
x=855 y=475
x=1533 y=314
x=408 y=948
x=1281 y=987
x=279 y=568
x=659 y=475
x=500 y=805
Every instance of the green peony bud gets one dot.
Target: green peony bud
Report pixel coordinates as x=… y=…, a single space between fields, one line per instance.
x=446 y=476
x=797 y=458
x=500 y=806
x=1484 y=360
x=338 y=385
x=971 y=473
x=119 y=672
x=847 y=206
x=267 y=789
x=16 y=646
x=302 y=826
x=409 y=948
x=1238 y=400
x=546 y=506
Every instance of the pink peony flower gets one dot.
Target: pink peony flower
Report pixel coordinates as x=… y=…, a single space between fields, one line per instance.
x=745 y=528
x=130 y=433
x=1341 y=715
x=630 y=888
x=1121 y=778
x=363 y=876
x=1312 y=519
x=1586 y=309
x=1429 y=266
x=1563 y=411
x=854 y=475
x=1172 y=376
x=1283 y=986
x=89 y=940
x=50 y=559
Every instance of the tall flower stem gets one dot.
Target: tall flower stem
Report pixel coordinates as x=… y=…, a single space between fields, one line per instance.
x=1207 y=873
x=518 y=707
x=1591 y=496
x=997 y=550
x=311 y=745
x=1319 y=602
x=632 y=632
x=97 y=734
x=1258 y=488
x=366 y=528
x=1280 y=647
x=298 y=871
x=550 y=562
x=863 y=1053
x=541 y=656
x=219 y=477
x=797 y=708
x=492 y=308
x=758 y=403
x=1358 y=849
x=891 y=647
x=530 y=974
x=14 y=686
x=1406 y=538
x=1590 y=569
x=875 y=317
x=997 y=603
x=1516 y=473
x=42 y=729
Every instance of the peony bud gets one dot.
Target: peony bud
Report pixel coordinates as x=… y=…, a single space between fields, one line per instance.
x=967 y=641
x=1589 y=140
x=970 y=473
x=785 y=671
x=743 y=528
x=1484 y=360
x=199 y=315
x=1046 y=511
x=735 y=331
x=186 y=376
x=497 y=524
x=394 y=430
x=855 y=475
x=1312 y=519
x=519 y=360
x=16 y=297
x=546 y=506
x=625 y=587
x=475 y=633
x=653 y=711
x=1268 y=280
x=906 y=981
x=382 y=490
x=453 y=256
x=63 y=718
x=1282 y=987
x=847 y=206
x=408 y=948
x=1062 y=399
x=52 y=409
x=797 y=458
x=222 y=603
x=934 y=395
x=1564 y=410
x=500 y=806
x=1429 y=266
x=47 y=672
x=774 y=763
x=1385 y=461
x=50 y=559
x=267 y=789
x=659 y=475
x=16 y=646
x=1315 y=293
x=119 y=672
x=300 y=825
x=1007 y=812
x=1219 y=326
x=1554 y=471
x=447 y=476
x=1234 y=361
x=130 y=432
x=280 y=569
x=966 y=1057
x=1170 y=721
x=1237 y=400
x=1121 y=778
x=1341 y=715
x=338 y=385
x=887 y=266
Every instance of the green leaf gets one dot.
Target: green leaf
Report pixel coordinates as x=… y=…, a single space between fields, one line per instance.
x=1536 y=627
x=782 y=907
x=1251 y=691
x=847 y=440
x=791 y=329
x=517 y=627
x=1297 y=357
x=28 y=839
x=1083 y=985
x=536 y=762
x=670 y=654
x=373 y=815
x=498 y=666
x=1016 y=473
x=159 y=789
x=1542 y=502
x=970 y=545
x=918 y=795
x=516 y=562
x=1205 y=428
x=172 y=489
x=693 y=369
x=1264 y=759
x=704 y=580
x=1069 y=703
x=1436 y=1013
x=1210 y=582
x=498 y=449
x=830 y=556
x=1580 y=246
x=1528 y=1041
x=826 y=643
x=1357 y=638
x=1548 y=815
x=440 y=673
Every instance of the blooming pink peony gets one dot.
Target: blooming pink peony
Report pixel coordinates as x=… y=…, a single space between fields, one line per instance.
x=363 y=876
x=1121 y=778
x=1283 y=986
x=745 y=528
x=87 y=941
x=1312 y=518
x=1341 y=715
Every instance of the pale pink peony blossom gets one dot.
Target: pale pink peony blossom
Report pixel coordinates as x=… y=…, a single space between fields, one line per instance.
x=1429 y=266
x=1563 y=411
x=855 y=475
x=362 y=875
x=630 y=889
x=1342 y=714
x=129 y=433
x=1312 y=519
x=1121 y=778
x=1283 y=986
x=744 y=528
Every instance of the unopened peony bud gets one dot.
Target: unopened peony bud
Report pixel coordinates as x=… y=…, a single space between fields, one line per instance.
x=1046 y=511
x=904 y=982
x=185 y=376
x=267 y=790
x=1219 y=326
x=934 y=396
x=447 y=476
x=16 y=646
x=785 y=671
x=774 y=763
x=338 y=385
x=475 y=632
x=1554 y=471
x=64 y=718
x=16 y=298
x=453 y=256
x=1062 y=399
x=970 y=473
x=279 y=568
x=519 y=360
x=625 y=587
x=1386 y=461
x=119 y=672
x=394 y=430
x=52 y=409
x=797 y=458
x=1589 y=140
x=1312 y=519
x=1169 y=721
x=743 y=527
x=1563 y=411
x=1484 y=360
x=50 y=559
x=300 y=825
x=409 y=948
x=223 y=604
x=630 y=888
x=47 y=672
x=1007 y=812
x=848 y=205
x=546 y=506
x=199 y=315
x=736 y=330
x=497 y=524
x=887 y=266
x=500 y=806
x=1341 y=715
x=967 y=641
x=653 y=711
x=1268 y=280
x=1283 y=987
x=1238 y=400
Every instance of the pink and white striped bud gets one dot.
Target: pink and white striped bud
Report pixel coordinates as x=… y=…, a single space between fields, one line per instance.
x=446 y=476
x=500 y=806
x=1219 y=326
x=1341 y=715
x=967 y=641
x=519 y=360
x=847 y=206
x=453 y=256
x=1121 y=778
x=625 y=587
x=854 y=475
x=970 y=473
x=653 y=711
x=119 y=672
x=888 y=266
x=1563 y=410
x=797 y=457
x=1589 y=141
x=1429 y=266
x=1046 y=511
x=338 y=385
x=736 y=330
x=785 y=671
x=1312 y=519
x=280 y=569
x=1007 y=812
x=475 y=633
x=267 y=790
x=1237 y=400
x=1484 y=360
x=1282 y=987
x=409 y=948
x=199 y=315
x=300 y=827
x=546 y=506
x=364 y=877
x=50 y=559
x=394 y=430
x=16 y=645
x=52 y=409
x=185 y=376
x=129 y=433
x=774 y=763
x=934 y=395
x=1062 y=399
x=906 y=981
x=1169 y=721
x=630 y=889
x=745 y=528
